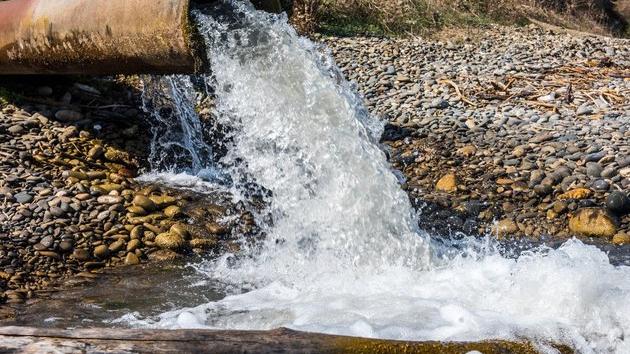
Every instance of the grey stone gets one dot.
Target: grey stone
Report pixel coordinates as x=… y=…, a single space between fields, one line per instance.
x=23 y=197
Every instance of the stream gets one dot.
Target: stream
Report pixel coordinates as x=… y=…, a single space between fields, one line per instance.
x=343 y=253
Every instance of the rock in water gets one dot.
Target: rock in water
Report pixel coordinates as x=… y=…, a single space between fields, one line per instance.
x=505 y=227
x=592 y=222
x=169 y=241
x=621 y=239
x=144 y=202
x=131 y=259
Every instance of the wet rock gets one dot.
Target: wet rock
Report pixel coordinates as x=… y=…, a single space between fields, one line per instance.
x=505 y=227
x=172 y=211
x=181 y=230
x=216 y=229
x=164 y=256
x=543 y=189
x=162 y=201
x=116 y=246
x=169 y=241
x=115 y=155
x=87 y=89
x=144 y=203
x=137 y=232
x=101 y=252
x=592 y=222
x=601 y=185
x=66 y=245
x=203 y=243
x=50 y=254
x=131 y=259
x=47 y=241
x=621 y=238
x=133 y=245
x=136 y=210
x=109 y=187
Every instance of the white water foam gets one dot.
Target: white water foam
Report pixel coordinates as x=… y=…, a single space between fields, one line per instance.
x=343 y=254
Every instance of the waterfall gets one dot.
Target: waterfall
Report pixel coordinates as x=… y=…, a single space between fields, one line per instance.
x=343 y=253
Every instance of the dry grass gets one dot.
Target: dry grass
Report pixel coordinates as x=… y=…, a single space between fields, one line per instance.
x=420 y=16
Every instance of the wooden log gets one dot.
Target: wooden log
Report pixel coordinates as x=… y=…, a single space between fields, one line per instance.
x=98 y=340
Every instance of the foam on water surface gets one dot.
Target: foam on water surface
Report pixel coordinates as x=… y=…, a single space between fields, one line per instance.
x=342 y=252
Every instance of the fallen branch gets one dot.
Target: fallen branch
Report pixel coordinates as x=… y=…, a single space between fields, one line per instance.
x=459 y=93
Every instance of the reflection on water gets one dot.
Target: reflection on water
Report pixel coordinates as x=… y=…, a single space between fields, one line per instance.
x=95 y=301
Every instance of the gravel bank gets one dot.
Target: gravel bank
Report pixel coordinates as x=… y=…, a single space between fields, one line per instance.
x=519 y=132
x=70 y=202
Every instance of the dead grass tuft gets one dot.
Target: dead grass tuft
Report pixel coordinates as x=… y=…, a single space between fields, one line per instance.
x=418 y=16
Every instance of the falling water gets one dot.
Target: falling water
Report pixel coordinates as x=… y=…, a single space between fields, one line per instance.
x=343 y=253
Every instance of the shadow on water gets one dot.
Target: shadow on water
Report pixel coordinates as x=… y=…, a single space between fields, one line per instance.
x=90 y=300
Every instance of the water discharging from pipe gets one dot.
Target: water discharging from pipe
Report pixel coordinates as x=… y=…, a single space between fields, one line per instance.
x=343 y=253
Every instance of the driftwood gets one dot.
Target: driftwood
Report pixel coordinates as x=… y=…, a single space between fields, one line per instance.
x=98 y=340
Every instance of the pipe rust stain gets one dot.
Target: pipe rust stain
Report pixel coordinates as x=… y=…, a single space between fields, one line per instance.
x=95 y=37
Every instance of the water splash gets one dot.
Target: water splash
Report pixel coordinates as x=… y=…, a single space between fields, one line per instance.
x=301 y=133
x=177 y=134
x=343 y=254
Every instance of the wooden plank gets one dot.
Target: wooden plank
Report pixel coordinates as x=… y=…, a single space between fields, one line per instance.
x=99 y=340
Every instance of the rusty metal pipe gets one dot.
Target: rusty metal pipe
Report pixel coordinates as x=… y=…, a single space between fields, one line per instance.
x=95 y=37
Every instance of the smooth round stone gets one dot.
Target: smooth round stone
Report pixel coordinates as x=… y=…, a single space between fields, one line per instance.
x=101 y=251
x=618 y=202
x=66 y=245
x=601 y=185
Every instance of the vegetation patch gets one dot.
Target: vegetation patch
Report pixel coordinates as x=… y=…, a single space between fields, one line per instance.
x=400 y=17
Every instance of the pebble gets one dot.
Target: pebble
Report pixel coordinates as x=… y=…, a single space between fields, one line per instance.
x=23 y=197
x=101 y=251
x=618 y=202
x=144 y=203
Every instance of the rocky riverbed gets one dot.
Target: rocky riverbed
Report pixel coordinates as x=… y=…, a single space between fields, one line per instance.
x=69 y=155
x=519 y=132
